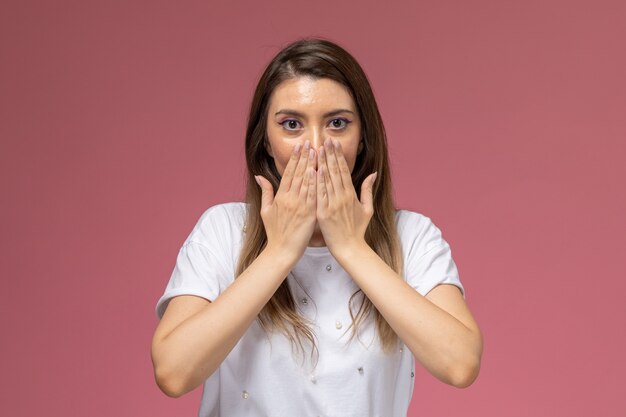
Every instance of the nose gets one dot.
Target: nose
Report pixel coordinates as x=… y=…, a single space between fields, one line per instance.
x=316 y=138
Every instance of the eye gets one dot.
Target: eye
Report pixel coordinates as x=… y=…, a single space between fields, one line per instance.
x=339 y=123
x=290 y=124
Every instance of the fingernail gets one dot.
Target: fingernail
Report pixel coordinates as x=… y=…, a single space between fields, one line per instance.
x=311 y=154
x=307 y=145
x=328 y=142
x=296 y=149
x=336 y=143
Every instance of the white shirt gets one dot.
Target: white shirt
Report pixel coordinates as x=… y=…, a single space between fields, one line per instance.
x=262 y=376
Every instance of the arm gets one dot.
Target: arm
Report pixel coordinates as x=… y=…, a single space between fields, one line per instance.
x=438 y=329
x=194 y=335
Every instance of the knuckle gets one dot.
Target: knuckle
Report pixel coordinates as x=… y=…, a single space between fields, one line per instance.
x=279 y=200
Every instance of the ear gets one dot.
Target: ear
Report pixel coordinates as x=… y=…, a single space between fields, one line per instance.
x=268 y=147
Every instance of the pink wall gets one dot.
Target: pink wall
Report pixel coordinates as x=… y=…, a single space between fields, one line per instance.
x=121 y=122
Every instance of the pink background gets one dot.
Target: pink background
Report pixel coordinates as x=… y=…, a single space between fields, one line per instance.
x=121 y=122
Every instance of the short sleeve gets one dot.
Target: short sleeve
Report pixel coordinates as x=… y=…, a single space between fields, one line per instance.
x=427 y=256
x=204 y=265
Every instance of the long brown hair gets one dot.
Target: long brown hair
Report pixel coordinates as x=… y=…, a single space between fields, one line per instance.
x=319 y=58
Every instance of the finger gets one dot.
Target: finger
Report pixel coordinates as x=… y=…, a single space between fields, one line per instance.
x=311 y=199
x=306 y=181
x=344 y=169
x=290 y=169
x=267 y=191
x=367 y=191
x=323 y=164
x=333 y=167
x=322 y=191
x=296 y=182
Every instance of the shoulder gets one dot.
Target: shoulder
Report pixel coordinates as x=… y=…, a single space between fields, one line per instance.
x=404 y=217
x=233 y=211
x=412 y=223
x=417 y=231
x=427 y=255
x=224 y=220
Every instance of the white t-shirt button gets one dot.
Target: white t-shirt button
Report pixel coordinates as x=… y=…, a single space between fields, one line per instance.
x=338 y=325
x=245 y=395
x=329 y=267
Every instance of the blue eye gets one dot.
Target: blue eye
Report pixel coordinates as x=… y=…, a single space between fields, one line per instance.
x=290 y=124
x=339 y=123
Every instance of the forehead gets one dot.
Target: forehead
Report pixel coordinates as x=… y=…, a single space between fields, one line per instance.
x=306 y=92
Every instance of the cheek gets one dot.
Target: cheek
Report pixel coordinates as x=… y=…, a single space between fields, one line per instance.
x=350 y=154
x=280 y=149
x=281 y=158
x=350 y=147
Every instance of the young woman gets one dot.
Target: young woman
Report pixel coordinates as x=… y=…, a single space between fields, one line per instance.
x=315 y=296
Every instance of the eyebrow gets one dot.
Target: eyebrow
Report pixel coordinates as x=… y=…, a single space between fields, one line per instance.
x=291 y=112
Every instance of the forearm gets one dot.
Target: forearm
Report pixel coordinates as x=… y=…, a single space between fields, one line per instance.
x=444 y=345
x=191 y=352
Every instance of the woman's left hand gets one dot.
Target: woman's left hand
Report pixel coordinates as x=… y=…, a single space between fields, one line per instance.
x=342 y=217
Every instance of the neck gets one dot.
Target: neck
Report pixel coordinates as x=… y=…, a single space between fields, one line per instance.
x=317 y=239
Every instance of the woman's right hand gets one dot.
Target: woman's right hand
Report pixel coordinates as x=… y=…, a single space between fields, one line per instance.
x=289 y=216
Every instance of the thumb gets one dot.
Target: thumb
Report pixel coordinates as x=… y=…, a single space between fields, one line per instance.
x=367 y=188
x=267 y=191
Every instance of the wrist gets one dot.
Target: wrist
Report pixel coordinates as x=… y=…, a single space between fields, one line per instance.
x=351 y=252
x=282 y=258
